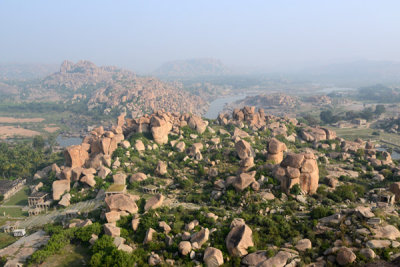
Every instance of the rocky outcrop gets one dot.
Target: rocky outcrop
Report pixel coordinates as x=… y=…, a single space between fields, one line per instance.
x=76 y=156
x=59 y=188
x=239 y=239
x=299 y=169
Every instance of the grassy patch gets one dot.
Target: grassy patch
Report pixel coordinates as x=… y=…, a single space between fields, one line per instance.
x=20 y=198
x=13 y=212
x=70 y=255
x=6 y=239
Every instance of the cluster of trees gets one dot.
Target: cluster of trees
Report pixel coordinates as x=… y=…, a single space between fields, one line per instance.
x=327 y=116
x=24 y=159
x=379 y=93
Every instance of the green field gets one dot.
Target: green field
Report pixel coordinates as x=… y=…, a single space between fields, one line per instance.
x=19 y=199
x=366 y=134
x=12 y=212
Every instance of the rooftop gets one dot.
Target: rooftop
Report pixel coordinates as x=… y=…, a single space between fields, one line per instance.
x=116 y=188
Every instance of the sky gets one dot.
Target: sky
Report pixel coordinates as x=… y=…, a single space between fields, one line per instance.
x=141 y=35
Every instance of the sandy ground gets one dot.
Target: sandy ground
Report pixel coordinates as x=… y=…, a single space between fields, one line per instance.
x=19 y=120
x=10 y=131
x=51 y=129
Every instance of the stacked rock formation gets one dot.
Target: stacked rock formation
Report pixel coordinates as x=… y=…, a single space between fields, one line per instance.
x=301 y=169
x=160 y=124
x=275 y=151
x=246 y=153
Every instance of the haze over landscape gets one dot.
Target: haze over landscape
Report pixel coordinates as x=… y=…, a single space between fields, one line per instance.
x=200 y=133
x=256 y=36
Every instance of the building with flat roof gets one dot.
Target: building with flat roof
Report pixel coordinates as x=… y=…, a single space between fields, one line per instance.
x=116 y=189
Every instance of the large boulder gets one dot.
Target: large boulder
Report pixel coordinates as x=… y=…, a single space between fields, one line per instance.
x=111 y=229
x=200 y=237
x=239 y=239
x=345 y=256
x=161 y=168
x=89 y=180
x=75 y=156
x=59 y=188
x=242 y=181
x=65 y=200
x=395 y=189
x=386 y=232
x=160 y=129
x=213 y=257
x=119 y=178
x=243 y=149
x=154 y=202
x=279 y=260
x=196 y=123
x=184 y=247
x=275 y=146
x=138 y=177
x=121 y=202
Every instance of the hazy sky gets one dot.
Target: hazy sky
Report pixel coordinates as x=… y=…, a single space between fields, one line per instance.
x=143 y=34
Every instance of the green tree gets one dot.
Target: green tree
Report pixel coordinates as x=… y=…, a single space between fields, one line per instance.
x=38 y=142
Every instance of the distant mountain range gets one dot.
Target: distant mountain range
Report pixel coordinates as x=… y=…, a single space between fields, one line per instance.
x=192 y=68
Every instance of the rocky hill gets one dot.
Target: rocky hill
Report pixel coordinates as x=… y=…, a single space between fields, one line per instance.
x=246 y=189
x=192 y=68
x=113 y=88
x=278 y=100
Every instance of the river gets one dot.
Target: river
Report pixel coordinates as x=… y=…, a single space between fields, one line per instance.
x=217 y=105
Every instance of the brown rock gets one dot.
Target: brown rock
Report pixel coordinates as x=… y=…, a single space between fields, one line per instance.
x=149 y=236
x=345 y=256
x=293 y=160
x=196 y=123
x=113 y=216
x=275 y=146
x=184 y=247
x=154 y=202
x=242 y=181
x=161 y=168
x=138 y=177
x=213 y=257
x=243 y=149
x=59 y=188
x=75 y=156
x=119 y=178
x=239 y=240
x=121 y=202
x=89 y=180
x=111 y=229
x=200 y=237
